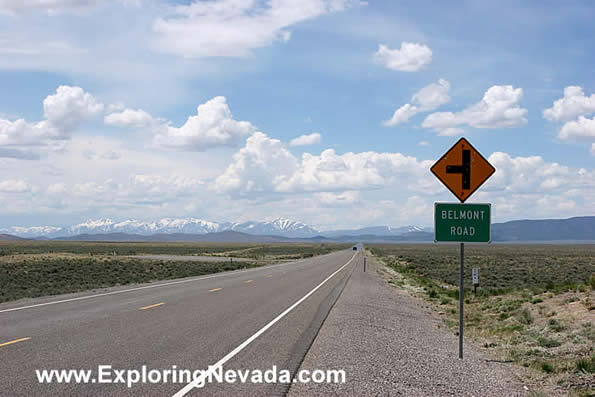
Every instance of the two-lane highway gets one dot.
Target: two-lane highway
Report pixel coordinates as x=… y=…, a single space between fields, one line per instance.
x=248 y=319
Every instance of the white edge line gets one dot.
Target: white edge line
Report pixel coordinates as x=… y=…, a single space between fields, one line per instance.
x=221 y=274
x=241 y=347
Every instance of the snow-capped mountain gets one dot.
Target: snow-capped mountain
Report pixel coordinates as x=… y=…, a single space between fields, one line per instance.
x=278 y=227
x=90 y=226
x=168 y=225
x=33 y=231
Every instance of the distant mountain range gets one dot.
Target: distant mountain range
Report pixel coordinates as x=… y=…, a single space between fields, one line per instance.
x=217 y=237
x=377 y=231
x=280 y=229
x=279 y=226
x=9 y=237
x=579 y=228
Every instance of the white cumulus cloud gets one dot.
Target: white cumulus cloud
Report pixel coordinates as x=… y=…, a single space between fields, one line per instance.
x=573 y=104
x=572 y=109
x=409 y=58
x=233 y=28
x=499 y=108
x=534 y=175
x=130 y=118
x=330 y=171
x=535 y=186
x=581 y=129
x=64 y=112
x=212 y=126
x=14 y=186
x=264 y=165
x=433 y=95
x=402 y=115
x=257 y=167
x=69 y=107
x=428 y=98
x=305 y=140
x=50 y=6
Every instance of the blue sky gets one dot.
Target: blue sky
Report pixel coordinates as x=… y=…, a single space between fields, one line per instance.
x=515 y=78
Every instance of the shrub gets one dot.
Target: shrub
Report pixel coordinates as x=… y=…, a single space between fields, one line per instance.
x=586 y=365
x=525 y=316
x=511 y=328
x=546 y=367
x=503 y=316
x=556 y=326
x=546 y=342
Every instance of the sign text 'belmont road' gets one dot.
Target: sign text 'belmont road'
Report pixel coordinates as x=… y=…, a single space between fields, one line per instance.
x=462 y=222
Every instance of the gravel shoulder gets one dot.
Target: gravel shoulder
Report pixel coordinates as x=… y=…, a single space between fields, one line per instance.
x=389 y=344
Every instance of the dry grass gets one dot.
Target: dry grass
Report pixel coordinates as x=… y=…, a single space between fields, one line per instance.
x=546 y=325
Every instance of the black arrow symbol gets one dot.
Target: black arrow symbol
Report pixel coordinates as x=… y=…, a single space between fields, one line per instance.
x=463 y=169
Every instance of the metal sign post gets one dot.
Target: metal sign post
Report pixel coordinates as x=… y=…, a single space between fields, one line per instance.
x=461 y=300
x=462 y=169
x=461 y=292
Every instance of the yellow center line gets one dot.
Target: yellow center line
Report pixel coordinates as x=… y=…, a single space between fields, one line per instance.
x=152 y=306
x=215 y=289
x=269 y=275
x=248 y=281
x=14 y=341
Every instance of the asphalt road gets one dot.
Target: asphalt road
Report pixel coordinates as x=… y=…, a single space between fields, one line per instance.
x=248 y=319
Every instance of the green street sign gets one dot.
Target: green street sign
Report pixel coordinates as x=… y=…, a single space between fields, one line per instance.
x=462 y=223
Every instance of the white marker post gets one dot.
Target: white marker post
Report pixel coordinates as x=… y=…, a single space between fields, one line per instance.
x=475 y=279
